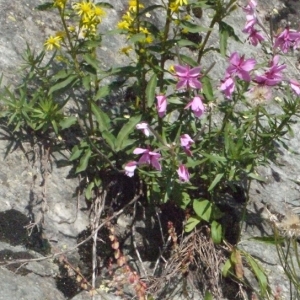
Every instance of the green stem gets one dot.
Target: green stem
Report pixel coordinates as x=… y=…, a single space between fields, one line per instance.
x=72 y=48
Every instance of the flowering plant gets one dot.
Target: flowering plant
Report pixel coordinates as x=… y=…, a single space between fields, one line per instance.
x=187 y=144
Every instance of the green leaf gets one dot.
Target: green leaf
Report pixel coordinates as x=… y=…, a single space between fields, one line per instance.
x=185 y=43
x=91 y=61
x=110 y=139
x=271 y=240
x=188 y=60
x=45 y=6
x=125 y=131
x=216 y=232
x=203 y=209
x=185 y=200
x=63 y=84
x=150 y=90
x=226 y=268
x=102 y=92
x=226 y=31
x=208 y=296
x=101 y=117
x=67 y=122
x=191 y=223
x=207 y=88
x=89 y=189
x=258 y=272
x=83 y=163
x=215 y=181
x=76 y=152
x=137 y=38
x=149 y=8
x=190 y=27
x=256 y=177
x=104 y=4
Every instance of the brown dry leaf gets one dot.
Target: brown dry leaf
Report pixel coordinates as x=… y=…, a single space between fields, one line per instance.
x=115 y=245
x=238 y=263
x=92 y=292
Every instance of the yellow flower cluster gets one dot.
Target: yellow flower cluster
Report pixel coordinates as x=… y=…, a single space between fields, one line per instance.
x=91 y=15
x=128 y=22
x=175 y=4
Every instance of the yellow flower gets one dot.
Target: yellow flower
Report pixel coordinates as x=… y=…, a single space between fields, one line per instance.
x=53 y=42
x=181 y=2
x=83 y=8
x=144 y=30
x=174 y=7
x=123 y=25
x=133 y=5
x=98 y=12
x=60 y=3
x=149 y=39
x=126 y=50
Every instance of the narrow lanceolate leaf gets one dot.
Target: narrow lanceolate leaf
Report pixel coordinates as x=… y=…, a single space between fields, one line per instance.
x=101 y=118
x=125 y=131
x=63 y=84
x=91 y=61
x=259 y=273
x=207 y=88
x=226 y=268
x=83 y=163
x=215 y=182
x=150 y=90
x=67 y=122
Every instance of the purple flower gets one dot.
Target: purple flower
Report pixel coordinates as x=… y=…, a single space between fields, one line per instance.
x=161 y=105
x=295 y=85
x=240 y=67
x=183 y=173
x=197 y=106
x=254 y=36
x=186 y=141
x=227 y=86
x=148 y=157
x=130 y=168
x=286 y=39
x=144 y=127
x=187 y=77
x=273 y=76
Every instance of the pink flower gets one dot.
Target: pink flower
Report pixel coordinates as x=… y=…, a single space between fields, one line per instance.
x=186 y=142
x=161 y=105
x=227 y=86
x=144 y=127
x=274 y=75
x=187 y=77
x=254 y=36
x=240 y=67
x=197 y=106
x=251 y=21
x=295 y=85
x=148 y=157
x=286 y=39
x=130 y=168
x=250 y=8
x=183 y=173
